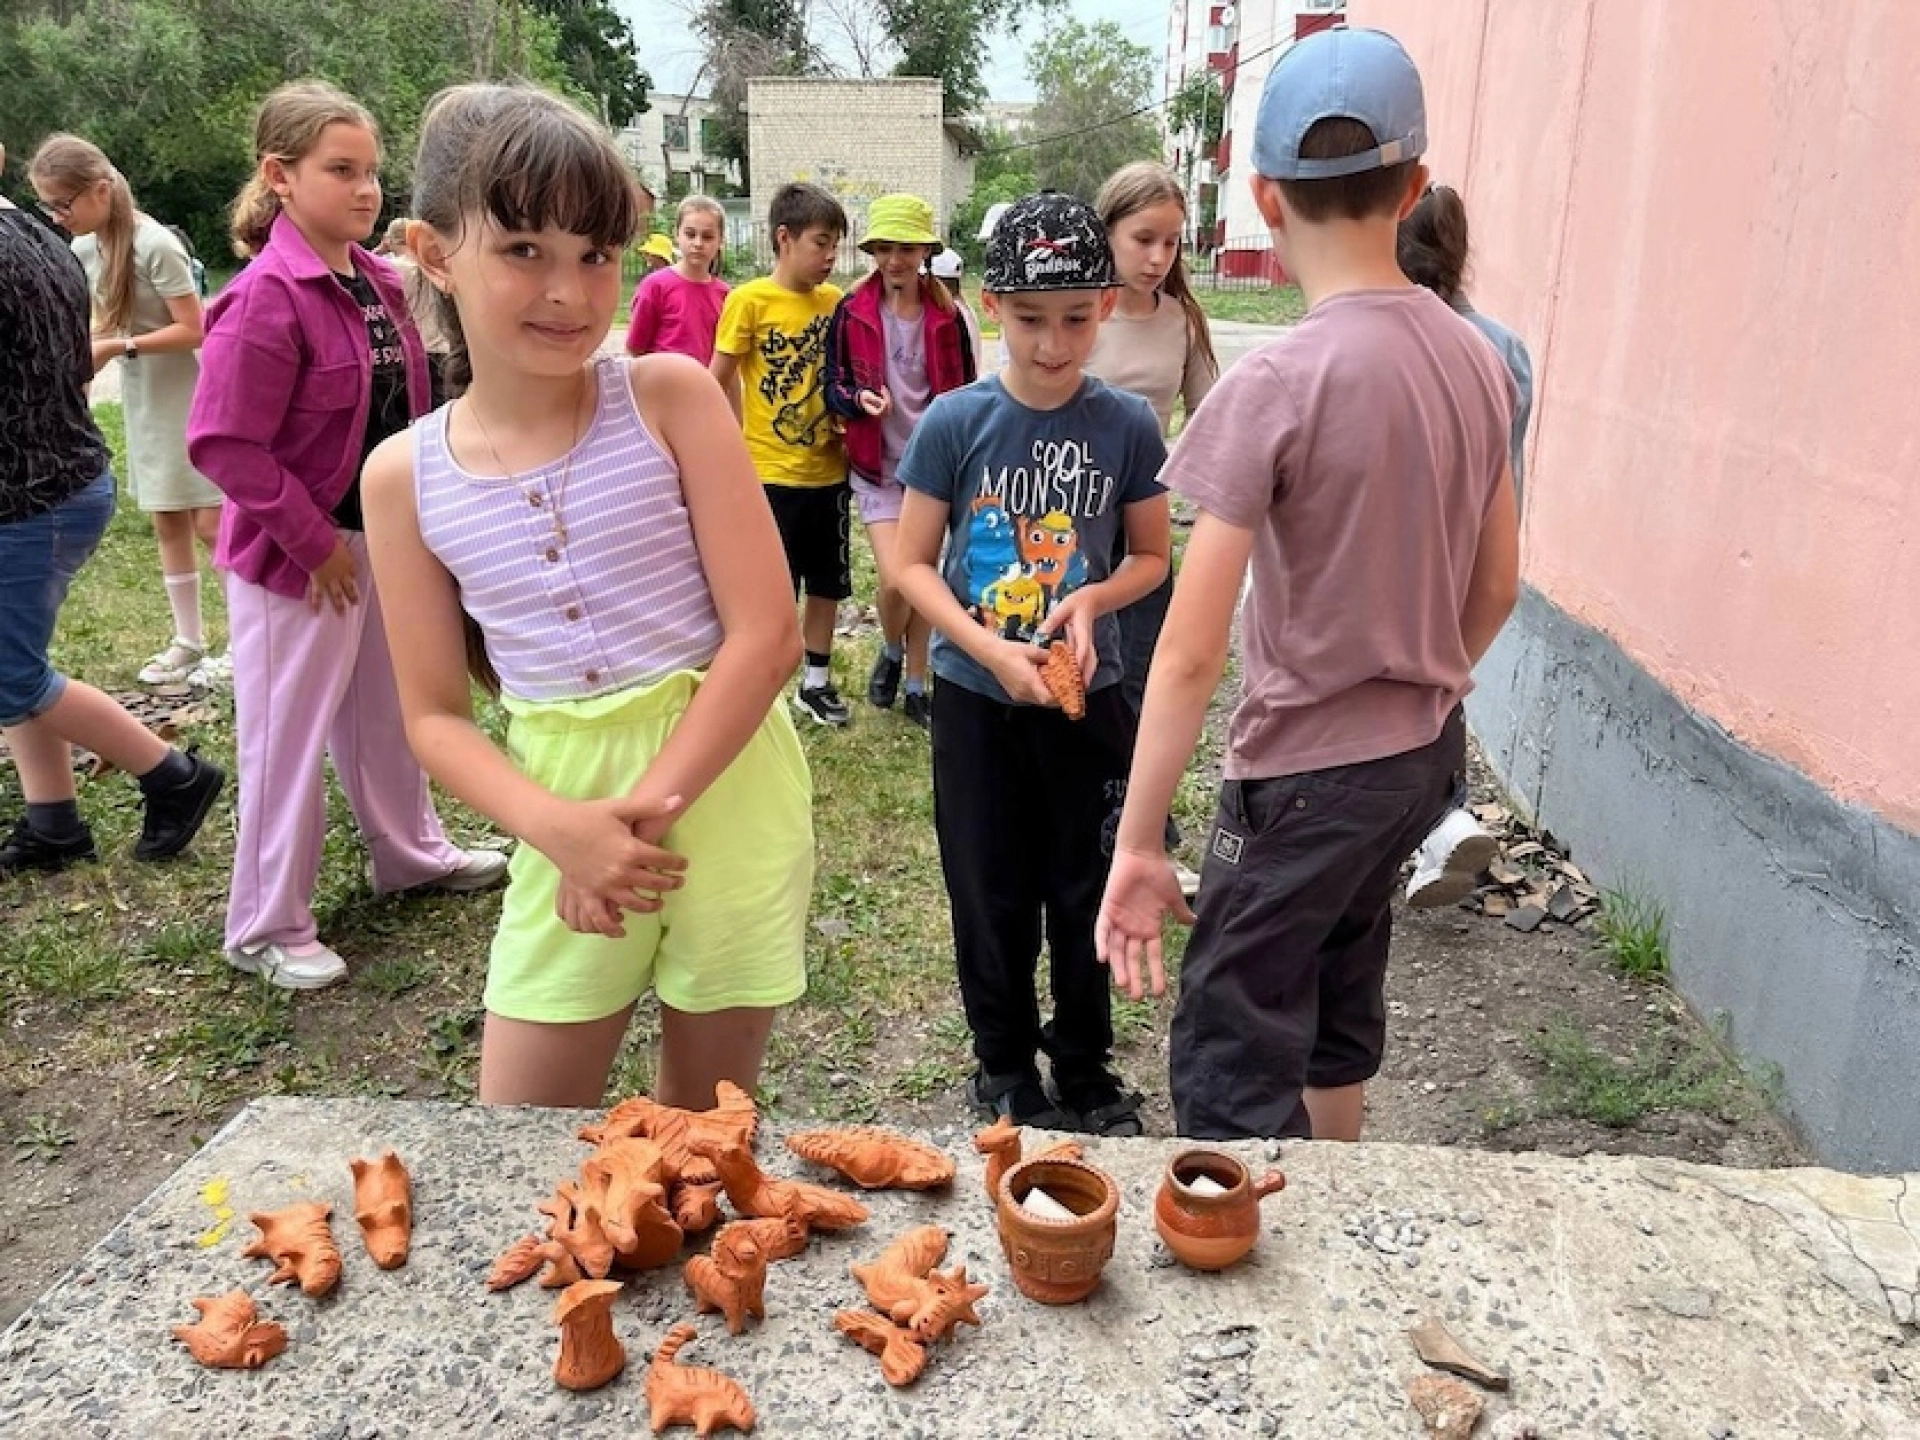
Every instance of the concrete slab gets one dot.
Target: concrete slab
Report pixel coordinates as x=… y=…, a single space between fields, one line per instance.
x=1625 y=1298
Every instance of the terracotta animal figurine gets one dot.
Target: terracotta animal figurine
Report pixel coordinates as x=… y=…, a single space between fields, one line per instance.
x=689 y=1395
x=1062 y=677
x=383 y=1204
x=230 y=1335
x=300 y=1243
x=780 y=1237
x=696 y=1208
x=902 y=1356
x=590 y=1353
x=625 y=1182
x=674 y=1129
x=904 y=1286
x=875 y=1158
x=528 y=1254
x=578 y=1227
x=753 y=1193
x=1000 y=1143
x=732 y=1280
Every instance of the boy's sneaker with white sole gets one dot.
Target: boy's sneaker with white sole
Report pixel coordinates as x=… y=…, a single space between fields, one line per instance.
x=1449 y=862
x=822 y=704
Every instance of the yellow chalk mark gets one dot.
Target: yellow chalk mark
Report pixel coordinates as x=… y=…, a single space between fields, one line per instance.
x=215 y=1193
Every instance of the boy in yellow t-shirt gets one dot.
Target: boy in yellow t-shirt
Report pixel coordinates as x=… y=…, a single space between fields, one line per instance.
x=770 y=358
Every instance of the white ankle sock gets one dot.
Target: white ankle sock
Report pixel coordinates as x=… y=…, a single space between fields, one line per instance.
x=183 y=598
x=815 y=677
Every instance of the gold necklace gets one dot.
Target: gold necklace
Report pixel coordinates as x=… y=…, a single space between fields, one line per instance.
x=555 y=510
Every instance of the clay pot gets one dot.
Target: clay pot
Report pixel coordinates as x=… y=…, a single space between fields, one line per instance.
x=1207 y=1231
x=1057 y=1262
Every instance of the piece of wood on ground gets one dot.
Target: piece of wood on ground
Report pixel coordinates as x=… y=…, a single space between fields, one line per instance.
x=1435 y=1345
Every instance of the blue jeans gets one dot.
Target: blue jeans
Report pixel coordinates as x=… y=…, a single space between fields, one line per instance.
x=38 y=559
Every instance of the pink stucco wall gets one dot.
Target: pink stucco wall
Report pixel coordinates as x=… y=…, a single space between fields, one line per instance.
x=1703 y=216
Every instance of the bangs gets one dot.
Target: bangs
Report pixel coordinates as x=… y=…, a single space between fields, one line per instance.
x=549 y=168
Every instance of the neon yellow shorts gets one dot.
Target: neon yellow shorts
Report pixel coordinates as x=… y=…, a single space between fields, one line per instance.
x=733 y=935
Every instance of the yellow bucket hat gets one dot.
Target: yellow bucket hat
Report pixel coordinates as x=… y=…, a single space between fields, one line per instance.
x=659 y=247
x=899 y=220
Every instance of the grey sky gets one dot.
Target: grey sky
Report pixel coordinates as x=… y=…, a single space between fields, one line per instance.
x=671 y=51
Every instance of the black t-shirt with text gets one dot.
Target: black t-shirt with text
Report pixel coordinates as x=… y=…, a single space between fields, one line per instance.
x=388 y=414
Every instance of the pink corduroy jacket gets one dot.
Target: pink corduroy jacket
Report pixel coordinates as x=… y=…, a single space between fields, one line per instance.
x=280 y=413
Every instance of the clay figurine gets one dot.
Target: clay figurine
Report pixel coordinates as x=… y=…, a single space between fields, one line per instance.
x=229 y=1335
x=1057 y=1261
x=696 y=1208
x=590 y=1353
x=528 y=1254
x=780 y=1237
x=689 y=1395
x=1448 y=1408
x=300 y=1243
x=903 y=1285
x=732 y=1279
x=875 y=1158
x=383 y=1204
x=752 y=1192
x=1062 y=677
x=577 y=1226
x=1000 y=1143
x=1207 y=1209
x=624 y=1182
x=674 y=1130
x=902 y=1357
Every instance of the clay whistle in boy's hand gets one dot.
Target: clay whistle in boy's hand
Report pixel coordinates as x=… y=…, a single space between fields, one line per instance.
x=875 y=402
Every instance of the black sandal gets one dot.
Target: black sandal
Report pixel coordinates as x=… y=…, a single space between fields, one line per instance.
x=1017 y=1097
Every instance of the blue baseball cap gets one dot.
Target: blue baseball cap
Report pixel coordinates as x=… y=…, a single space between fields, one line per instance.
x=1340 y=74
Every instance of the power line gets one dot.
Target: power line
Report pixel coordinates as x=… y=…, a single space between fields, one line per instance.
x=1132 y=114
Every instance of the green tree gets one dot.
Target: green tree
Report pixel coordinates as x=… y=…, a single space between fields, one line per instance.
x=1090 y=83
x=949 y=39
x=596 y=45
x=746 y=39
x=1199 y=109
x=1002 y=171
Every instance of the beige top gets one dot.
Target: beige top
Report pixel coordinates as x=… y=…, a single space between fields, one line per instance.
x=1150 y=355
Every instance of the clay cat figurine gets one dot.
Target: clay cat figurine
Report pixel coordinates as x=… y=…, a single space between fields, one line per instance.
x=732 y=1280
x=689 y=1395
x=229 y=1335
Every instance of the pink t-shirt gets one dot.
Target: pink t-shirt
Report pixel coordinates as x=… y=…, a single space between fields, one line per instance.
x=671 y=312
x=1365 y=450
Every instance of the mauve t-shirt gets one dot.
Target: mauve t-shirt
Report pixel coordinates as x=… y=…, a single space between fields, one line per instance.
x=1364 y=450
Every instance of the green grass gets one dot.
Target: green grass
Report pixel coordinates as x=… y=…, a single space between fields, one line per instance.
x=1631 y=928
x=1266 y=305
x=1667 y=1073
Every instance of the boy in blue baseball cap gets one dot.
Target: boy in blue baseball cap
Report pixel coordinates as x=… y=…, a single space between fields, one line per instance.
x=1360 y=466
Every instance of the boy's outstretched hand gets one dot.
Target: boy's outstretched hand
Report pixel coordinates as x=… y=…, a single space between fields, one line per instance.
x=1141 y=891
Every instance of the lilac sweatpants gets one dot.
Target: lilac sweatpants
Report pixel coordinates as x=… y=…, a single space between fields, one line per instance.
x=306 y=686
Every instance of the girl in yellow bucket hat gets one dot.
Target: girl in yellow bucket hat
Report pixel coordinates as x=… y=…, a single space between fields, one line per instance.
x=896 y=341
x=658 y=250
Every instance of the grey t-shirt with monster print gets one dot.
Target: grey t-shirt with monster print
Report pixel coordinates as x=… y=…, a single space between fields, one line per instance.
x=1035 y=500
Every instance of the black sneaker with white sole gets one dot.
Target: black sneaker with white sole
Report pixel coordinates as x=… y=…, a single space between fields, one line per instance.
x=822 y=704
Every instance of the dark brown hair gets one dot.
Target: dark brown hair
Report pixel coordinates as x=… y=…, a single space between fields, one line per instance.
x=1369 y=194
x=1433 y=242
x=1140 y=186
x=797 y=207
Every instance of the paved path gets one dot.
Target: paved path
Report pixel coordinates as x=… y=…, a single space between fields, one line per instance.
x=1625 y=1298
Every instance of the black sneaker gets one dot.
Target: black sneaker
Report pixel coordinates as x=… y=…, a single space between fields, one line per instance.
x=27 y=849
x=918 y=707
x=822 y=705
x=1099 y=1103
x=883 y=685
x=175 y=816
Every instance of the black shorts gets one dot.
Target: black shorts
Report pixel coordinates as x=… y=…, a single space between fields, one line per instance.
x=814 y=531
x=1283 y=986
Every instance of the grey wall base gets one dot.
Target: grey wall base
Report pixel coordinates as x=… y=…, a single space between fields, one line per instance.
x=1792 y=916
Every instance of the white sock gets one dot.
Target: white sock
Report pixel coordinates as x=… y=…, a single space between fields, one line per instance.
x=815 y=677
x=183 y=598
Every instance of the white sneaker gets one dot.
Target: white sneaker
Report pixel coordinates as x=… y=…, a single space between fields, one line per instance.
x=173 y=665
x=1447 y=866
x=289 y=971
x=213 y=673
x=477 y=870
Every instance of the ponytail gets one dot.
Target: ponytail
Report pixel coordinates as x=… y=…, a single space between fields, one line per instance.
x=288 y=125
x=1433 y=242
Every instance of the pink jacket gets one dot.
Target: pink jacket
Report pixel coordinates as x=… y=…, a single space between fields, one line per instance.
x=280 y=413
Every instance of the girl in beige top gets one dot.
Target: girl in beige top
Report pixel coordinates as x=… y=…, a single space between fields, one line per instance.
x=1156 y=344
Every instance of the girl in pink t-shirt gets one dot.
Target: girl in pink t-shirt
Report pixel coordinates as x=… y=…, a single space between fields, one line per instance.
x=678 y=308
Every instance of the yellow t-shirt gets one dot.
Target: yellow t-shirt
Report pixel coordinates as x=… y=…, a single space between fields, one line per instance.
x=781 y=339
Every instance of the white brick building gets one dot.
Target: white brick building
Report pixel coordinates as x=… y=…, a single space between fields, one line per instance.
x=857 y=139
x=672 y=138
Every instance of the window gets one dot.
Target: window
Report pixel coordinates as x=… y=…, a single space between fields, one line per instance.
x=709 y=135
x=675 y=127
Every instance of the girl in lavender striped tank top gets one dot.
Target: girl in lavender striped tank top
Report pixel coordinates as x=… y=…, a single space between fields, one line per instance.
x=588 y=538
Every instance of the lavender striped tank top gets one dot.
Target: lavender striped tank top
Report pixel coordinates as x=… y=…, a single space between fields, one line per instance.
x=582 y=574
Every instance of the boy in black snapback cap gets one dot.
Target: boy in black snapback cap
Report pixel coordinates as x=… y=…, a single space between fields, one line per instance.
x=1027 y=478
